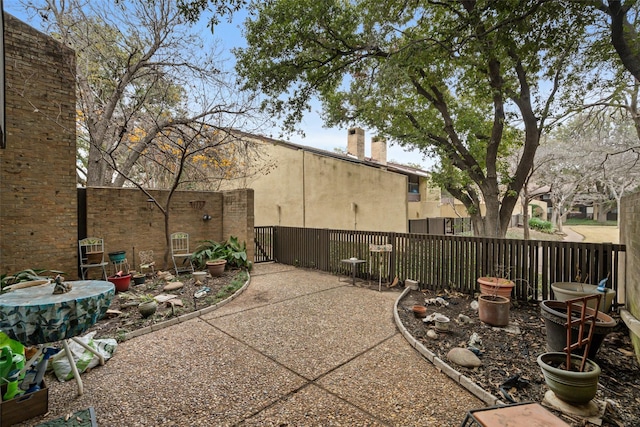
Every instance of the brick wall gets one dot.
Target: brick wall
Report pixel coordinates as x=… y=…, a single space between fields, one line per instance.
x=37 y=169
x=630 y=236
x=126 y=221
x=39 y=203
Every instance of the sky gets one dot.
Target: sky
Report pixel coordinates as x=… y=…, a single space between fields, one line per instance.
x=228 y=36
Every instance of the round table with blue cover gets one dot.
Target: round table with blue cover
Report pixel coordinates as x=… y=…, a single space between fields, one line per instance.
x=36 y=316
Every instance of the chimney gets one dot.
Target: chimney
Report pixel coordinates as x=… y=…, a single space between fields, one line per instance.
x=379 y=150
x=355 y=143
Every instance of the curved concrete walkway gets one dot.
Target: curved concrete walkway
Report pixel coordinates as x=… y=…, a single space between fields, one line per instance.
x=297 y=348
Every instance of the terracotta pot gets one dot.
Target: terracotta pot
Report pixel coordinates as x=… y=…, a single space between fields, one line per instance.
x=420 y=311
x=496 y=286
x=570 y=386
x=563 y=291
x=120 y=282
x=494 y=310
x=555 y=317
x=216 y=267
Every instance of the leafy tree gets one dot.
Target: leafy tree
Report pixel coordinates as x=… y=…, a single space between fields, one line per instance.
x=459 y=80
x=142 y=73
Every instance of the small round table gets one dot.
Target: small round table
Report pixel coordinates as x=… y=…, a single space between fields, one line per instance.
x=35 y=316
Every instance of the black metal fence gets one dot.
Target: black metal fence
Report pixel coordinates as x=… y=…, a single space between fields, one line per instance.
x=445 y=261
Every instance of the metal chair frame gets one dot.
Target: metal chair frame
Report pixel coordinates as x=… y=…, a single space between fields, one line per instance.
x=88 y=245
x=180 y=250
x=147 y=262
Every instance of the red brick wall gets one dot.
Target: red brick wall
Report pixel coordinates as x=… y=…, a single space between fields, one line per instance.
x=38 y=220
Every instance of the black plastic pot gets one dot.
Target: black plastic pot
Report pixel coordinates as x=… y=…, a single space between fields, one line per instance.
x=555 y=317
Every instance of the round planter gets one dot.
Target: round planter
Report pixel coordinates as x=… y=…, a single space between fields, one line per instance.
x=117 y=256
x=442 y=323
x=494 y=310
x=94 y=257
x=120 y=282
x=199 y=276
x=564 y=291
x=555 y=317
x=496 y=286
x=139 y=279
x=216 y=267
x=570 y=386
x=147 y=308
x=420 y=311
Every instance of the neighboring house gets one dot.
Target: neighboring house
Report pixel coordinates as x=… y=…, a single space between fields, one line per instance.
x=302 y=186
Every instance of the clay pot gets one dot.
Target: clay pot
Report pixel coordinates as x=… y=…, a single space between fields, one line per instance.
x=496 y=286
x=494 y=310
x=199 y=276
x=442 y=323
x=555 y=317
x=420 y=311
x=570 y=386
x=216 y=267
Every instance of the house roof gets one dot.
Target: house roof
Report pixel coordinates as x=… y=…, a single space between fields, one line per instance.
x=368 y=161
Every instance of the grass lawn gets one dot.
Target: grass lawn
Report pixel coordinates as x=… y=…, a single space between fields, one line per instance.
x=578 y=221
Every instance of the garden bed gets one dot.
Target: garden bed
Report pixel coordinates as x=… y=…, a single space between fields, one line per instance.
x=508 y=355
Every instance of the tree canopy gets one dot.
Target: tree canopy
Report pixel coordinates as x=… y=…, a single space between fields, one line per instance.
x=463 y=81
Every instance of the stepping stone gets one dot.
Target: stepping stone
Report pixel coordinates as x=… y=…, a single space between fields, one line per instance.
x=172 y=286
x=463 y=357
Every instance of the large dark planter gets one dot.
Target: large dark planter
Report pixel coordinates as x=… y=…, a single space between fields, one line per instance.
x=555 y=317
x=494 y=310
x=570 y=386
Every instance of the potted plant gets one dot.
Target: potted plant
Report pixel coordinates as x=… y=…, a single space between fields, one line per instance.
x=573 y=378
x=208 y=250
x=138 y=278
x=120 y=281
x=494 y=309
x=147 y=306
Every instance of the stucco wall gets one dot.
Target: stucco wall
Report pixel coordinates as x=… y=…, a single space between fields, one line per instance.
x=305 y=189
x=630 y=236
x=38 y=216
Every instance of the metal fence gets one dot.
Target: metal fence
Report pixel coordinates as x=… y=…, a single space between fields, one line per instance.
x=445 y=261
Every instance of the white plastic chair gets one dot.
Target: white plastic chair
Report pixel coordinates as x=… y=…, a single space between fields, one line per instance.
x=87 y=246
x=180 y=252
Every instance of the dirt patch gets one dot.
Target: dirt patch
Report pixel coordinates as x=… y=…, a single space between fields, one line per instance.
x=124 y=317
x=512 y=355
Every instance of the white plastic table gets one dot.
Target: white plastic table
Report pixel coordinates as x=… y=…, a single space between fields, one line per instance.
x=354 y=262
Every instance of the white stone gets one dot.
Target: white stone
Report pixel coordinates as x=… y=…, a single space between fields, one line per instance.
x=463 y=357
x=432 y=334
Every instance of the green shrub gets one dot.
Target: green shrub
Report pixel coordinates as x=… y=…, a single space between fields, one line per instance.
x=234 y=252
x=540 y=225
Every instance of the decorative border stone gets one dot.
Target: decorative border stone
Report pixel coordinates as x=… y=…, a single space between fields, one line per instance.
x=186 y=317
x=440 y=364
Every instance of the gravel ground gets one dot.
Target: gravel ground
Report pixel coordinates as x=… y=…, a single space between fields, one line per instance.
x=298 y=347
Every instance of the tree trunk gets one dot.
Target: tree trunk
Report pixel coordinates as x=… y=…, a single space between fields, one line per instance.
x=525 y=215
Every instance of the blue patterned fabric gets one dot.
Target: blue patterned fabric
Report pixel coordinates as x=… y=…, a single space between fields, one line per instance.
x=36 y=316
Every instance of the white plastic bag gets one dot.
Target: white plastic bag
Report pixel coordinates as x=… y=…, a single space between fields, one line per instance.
x=83 y=358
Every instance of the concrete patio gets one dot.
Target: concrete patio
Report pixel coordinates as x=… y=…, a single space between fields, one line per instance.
x=298 y=347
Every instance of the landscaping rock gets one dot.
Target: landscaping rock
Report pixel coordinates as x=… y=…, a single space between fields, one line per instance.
x=432 y=334
x=463 y=357
x=172 y=286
